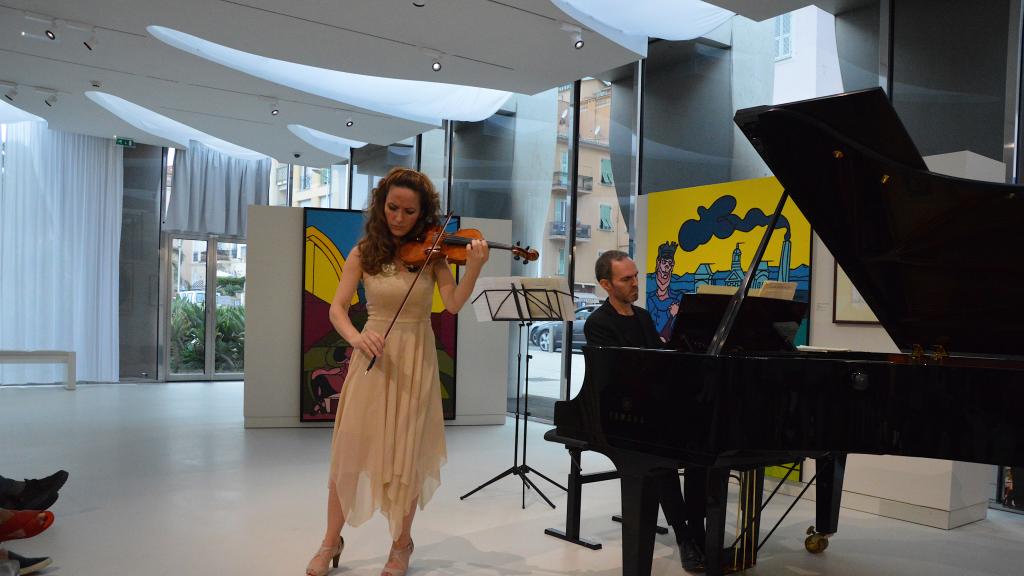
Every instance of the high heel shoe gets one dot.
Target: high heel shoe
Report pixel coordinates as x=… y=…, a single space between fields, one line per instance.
x=398 y=556
x=320 y=564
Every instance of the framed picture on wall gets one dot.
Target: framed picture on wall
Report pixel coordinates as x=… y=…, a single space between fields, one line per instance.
x=848 y=306
x=704 y=238
x=330 y=235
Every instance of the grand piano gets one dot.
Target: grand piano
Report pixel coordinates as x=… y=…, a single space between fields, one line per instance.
x=936 y=259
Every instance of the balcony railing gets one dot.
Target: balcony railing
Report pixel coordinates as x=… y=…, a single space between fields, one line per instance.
x=560 y=179
x=559 y=229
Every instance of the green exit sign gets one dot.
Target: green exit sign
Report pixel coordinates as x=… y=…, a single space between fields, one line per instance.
x=126 y=142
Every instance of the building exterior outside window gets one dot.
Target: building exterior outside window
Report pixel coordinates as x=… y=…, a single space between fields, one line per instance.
x=595 y=189
x=783 y=36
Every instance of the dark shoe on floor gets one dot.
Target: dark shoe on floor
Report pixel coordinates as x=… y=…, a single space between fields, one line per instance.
x=692 y=558
x=38 y=494
x=29 y=565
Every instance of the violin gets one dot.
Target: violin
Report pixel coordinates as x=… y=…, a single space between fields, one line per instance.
x=452 y=246
x=434 y=243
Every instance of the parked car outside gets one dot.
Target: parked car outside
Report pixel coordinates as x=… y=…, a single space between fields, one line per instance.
x=548 y=335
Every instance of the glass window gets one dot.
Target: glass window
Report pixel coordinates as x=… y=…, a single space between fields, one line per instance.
x=606 y=223
x=514 y=166
x=608 y=101
x=187 y=325
x=140 y=262
x=229 y=309
x=692 y=91
x=606 y=172
x=432 y=161
x=950 y=94
x=279 y=183
x=693 y=88
x=318 y=187
x=783 y=42
x=337 y=194
x=371 y=163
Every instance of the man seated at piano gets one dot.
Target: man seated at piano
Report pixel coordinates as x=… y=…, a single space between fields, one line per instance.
x=618 y=322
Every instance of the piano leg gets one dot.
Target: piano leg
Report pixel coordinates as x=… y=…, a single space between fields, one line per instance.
x=750 y=498
x=829 y=490
x=718 y=499
x=639 y=517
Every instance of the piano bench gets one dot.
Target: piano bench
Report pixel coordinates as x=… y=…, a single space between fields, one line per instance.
x=575 y=492
x=553 y=436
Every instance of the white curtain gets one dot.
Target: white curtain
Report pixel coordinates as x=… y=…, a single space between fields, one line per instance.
x=60 y=240
x=211 y=191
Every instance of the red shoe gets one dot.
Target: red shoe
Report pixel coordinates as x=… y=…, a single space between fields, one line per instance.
x=27 y=522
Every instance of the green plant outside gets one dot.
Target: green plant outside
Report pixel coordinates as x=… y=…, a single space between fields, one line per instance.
x=188 y=338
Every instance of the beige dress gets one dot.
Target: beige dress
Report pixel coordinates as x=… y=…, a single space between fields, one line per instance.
x=389 y=431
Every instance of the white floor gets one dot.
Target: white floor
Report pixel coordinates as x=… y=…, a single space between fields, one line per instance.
x=165 y=481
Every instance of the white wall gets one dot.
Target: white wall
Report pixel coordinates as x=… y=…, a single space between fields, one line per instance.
x=273 y=328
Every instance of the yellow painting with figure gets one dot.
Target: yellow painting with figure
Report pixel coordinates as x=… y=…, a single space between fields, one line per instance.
x=707 y=236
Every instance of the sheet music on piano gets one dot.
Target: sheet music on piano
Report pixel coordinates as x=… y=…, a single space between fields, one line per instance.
x=770 y=289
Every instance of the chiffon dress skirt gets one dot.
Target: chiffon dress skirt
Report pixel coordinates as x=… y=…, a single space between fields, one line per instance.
x=389 y=443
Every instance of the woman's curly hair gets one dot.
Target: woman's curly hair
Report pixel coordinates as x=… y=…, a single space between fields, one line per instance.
x=378 y=246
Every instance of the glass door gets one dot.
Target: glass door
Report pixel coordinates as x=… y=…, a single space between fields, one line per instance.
x=187 y=313
x=206 y=305
x=229 y=310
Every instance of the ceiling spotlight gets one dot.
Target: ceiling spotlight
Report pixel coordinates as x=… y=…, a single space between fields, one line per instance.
x=577 y=34
x=90 y=44
x=51 y=31
x=50 y=100
x=350 y=123
x=419 y=3
x=436 y=56
x=11 y=94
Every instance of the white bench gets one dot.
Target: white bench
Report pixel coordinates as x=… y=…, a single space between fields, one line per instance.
x=43 y=357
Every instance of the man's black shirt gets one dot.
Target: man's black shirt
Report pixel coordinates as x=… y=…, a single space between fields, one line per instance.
x=606 y=327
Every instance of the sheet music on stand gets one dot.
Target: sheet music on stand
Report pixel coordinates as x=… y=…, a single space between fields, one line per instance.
x=522 y=298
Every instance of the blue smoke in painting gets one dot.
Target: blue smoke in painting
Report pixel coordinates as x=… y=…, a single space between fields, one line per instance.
x=719 y=221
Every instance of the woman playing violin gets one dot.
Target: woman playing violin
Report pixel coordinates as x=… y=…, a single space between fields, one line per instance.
x=388 y=445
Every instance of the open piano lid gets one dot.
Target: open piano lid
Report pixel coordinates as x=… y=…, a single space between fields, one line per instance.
x=937 y=258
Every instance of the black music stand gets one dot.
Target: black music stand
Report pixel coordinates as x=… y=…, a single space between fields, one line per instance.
x=523 y=305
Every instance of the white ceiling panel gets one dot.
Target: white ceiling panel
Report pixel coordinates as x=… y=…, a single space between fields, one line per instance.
x=514 y=45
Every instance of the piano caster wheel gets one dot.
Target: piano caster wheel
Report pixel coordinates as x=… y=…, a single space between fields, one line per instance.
x=815 y=543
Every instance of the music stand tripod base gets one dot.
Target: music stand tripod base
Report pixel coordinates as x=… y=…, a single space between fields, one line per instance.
x=502 y=310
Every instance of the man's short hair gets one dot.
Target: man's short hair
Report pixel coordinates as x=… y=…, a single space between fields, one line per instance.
x=603 y=266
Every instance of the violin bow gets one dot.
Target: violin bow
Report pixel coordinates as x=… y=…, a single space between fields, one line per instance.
x=433 y=247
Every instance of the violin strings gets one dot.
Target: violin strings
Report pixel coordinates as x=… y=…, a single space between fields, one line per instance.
x=460 y=241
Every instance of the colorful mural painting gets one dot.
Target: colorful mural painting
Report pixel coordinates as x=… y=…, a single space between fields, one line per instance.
x=329 y=236
x=708 y=235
